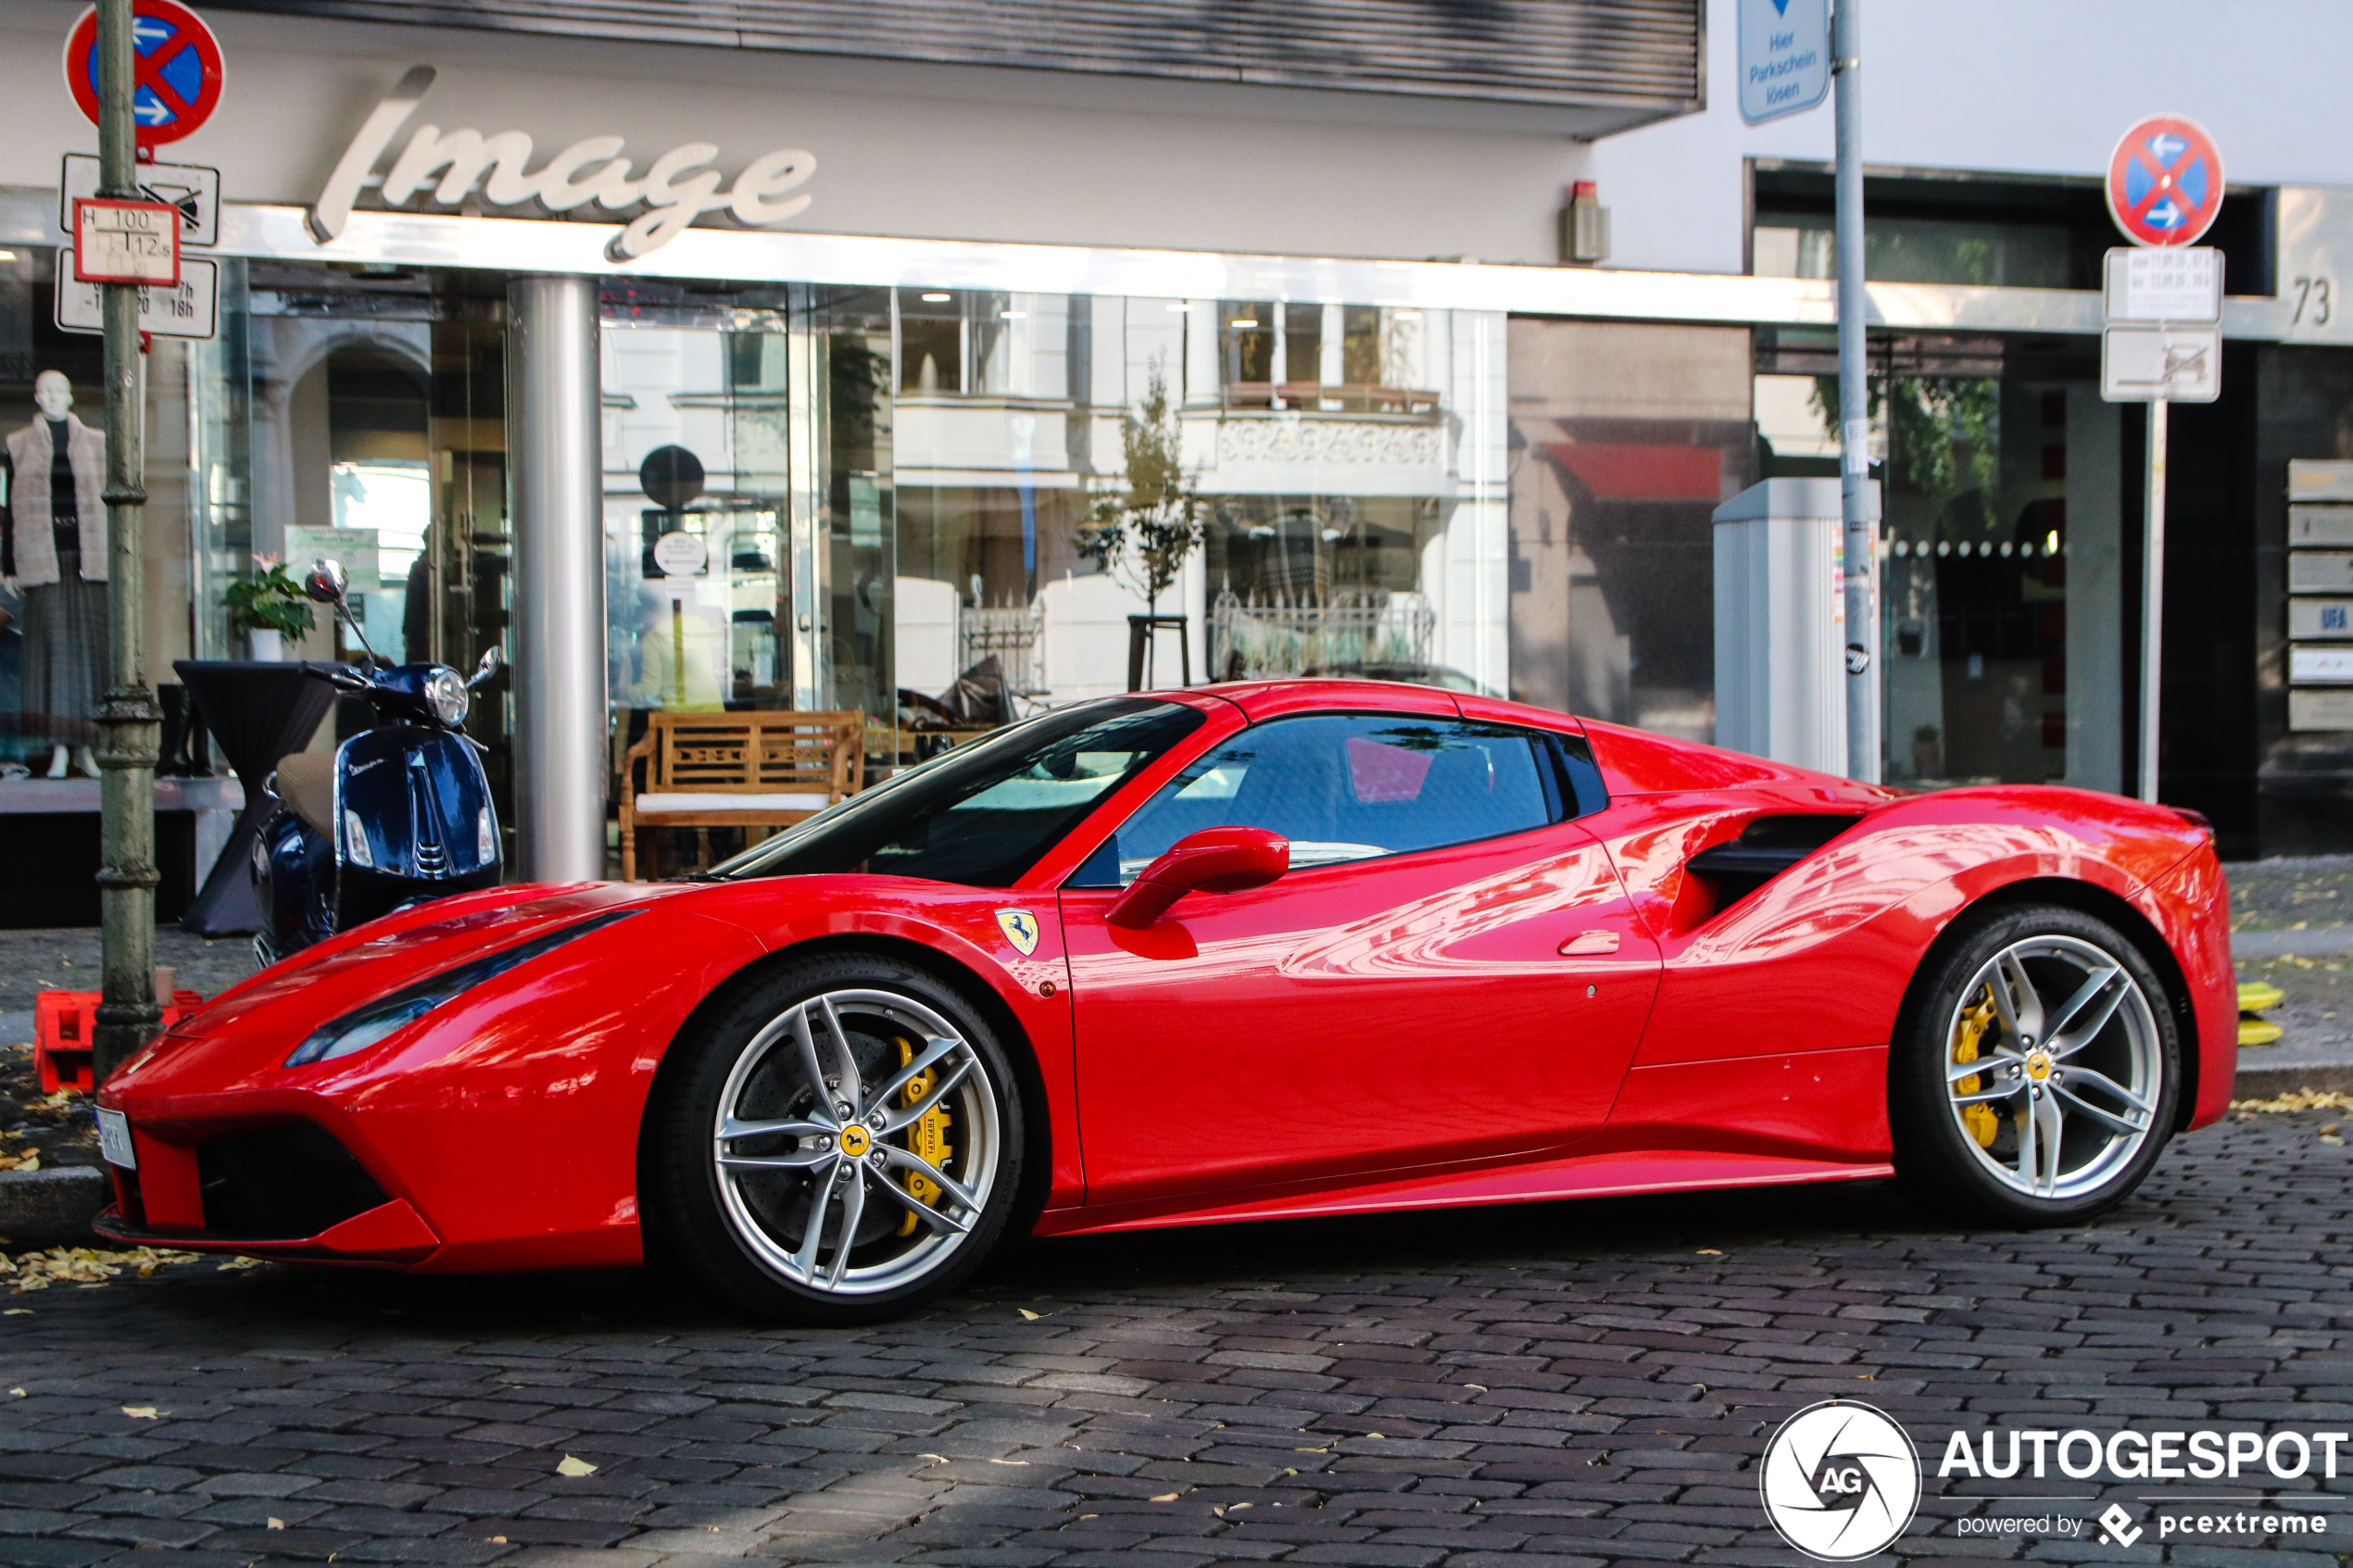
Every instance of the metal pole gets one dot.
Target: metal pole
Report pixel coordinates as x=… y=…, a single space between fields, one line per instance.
x=2153 y=600
x=127 y=715
x=1854 y=405
x=553 y=437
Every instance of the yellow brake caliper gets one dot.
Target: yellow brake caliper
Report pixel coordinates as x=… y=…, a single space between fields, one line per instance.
x=927 y=1139
x=1980 y=1119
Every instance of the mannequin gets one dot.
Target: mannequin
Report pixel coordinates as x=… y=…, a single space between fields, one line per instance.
x=53 y=551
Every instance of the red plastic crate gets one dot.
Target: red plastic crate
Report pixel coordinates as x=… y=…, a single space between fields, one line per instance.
x=62 y=1025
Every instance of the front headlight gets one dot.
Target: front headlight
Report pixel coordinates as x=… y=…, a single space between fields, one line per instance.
x=448 y=697
x=379 y=1020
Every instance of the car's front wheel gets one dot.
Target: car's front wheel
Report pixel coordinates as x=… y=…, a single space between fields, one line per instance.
x=840 y=1142
x=2036 y=1071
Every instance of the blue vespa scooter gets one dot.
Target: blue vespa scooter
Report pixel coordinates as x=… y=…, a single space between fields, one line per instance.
x=398 y=814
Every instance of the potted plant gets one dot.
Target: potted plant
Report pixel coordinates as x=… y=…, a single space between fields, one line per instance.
x=267 y=606
x=1142 y=533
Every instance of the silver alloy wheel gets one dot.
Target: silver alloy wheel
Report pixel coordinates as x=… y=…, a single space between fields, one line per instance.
x=822 y=1136
x=2053 y=1069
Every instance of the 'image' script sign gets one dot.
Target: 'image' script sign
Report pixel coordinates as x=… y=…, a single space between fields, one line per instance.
x=447 y=166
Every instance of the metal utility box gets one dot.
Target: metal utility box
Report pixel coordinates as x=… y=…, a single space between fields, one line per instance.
x=1780 y=623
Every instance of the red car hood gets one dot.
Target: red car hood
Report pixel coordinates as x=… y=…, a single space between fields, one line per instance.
x=287 y=1001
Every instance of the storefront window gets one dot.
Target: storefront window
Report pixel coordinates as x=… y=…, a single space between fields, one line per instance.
x=749 y=511
x=1348 y=457
x=1625 y=439
x=2000 y=602
x=53 y=652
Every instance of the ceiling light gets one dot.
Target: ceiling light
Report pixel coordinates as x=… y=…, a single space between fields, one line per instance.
x=7 y=256
x=1012 y=315
x=1243 y=325
x=938 y=298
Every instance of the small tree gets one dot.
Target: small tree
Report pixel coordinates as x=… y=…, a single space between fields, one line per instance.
x=1142 y=533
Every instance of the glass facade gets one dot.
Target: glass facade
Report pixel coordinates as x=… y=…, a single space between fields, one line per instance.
x=873 y=499
x=1625 y=438
x=2002 y=547
x=839 y=498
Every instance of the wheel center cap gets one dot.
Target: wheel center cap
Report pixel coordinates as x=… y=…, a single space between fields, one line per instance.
x=2038 y=1067
x=856 y=1141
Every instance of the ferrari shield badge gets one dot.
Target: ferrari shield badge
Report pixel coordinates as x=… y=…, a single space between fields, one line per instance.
x=1020 y=928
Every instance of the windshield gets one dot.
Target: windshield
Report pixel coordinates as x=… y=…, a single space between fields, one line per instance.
x=980 y=814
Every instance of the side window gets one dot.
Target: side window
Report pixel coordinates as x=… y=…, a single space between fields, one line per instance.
x=1351 y=787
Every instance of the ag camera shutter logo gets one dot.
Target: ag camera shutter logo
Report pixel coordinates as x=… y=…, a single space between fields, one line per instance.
x=1840 y=1481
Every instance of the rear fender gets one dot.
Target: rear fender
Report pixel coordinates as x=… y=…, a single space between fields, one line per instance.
x=1822 y=956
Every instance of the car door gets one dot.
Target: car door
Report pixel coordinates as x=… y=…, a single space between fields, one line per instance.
x=1450 y=969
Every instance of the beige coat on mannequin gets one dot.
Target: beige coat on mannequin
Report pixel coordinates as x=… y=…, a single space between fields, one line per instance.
x=29 y=455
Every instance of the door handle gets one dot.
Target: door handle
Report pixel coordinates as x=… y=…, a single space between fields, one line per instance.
x=1589 y=944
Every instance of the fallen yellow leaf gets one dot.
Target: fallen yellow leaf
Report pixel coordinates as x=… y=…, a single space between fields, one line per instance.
x=16 y=1393
x=496 y=1541
x=571 y=1466
x=1028 y=1314
x=1709 y=1252
x=276 y=1523
x=1165 y=1497
x=140 y=1412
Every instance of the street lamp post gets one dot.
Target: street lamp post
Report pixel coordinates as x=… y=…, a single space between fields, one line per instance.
x=1861 y=554
x=127 y=716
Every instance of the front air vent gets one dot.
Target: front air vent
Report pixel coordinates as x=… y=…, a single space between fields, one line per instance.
x=1765 y=849
x=285 y=1184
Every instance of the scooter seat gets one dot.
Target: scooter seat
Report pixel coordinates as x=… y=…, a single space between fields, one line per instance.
x=305 y=782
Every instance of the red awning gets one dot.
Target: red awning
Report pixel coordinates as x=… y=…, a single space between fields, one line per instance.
x=1632 y=471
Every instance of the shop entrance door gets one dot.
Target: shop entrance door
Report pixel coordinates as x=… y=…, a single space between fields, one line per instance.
x=748 y=536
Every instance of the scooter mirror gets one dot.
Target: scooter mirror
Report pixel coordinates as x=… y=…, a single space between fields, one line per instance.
x=326 y=582
x=492 y=662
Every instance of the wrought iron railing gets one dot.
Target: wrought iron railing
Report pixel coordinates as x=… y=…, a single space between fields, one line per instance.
x=1252 y=638
x=1014 y=635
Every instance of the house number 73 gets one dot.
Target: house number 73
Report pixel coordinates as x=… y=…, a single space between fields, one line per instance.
x=2314 y=299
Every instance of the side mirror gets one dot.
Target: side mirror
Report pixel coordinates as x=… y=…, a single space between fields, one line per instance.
x=1213 y=861
x=492 y=662
x=326 y=583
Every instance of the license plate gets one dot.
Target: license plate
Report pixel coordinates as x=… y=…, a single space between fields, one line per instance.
x=114 y=1139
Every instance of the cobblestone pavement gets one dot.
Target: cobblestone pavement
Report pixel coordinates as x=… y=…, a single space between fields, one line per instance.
x=1537 y=1385
x=2316 y=890
x=66 y=959
x=2312 y=895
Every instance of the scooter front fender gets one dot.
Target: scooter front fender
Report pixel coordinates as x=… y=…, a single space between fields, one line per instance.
x=414 y=812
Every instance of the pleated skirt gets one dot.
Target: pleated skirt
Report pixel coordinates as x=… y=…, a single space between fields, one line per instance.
x=65 y=657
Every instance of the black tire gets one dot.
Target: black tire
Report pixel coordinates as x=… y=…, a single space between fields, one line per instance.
x=745 y=1230
x=2103 y=1098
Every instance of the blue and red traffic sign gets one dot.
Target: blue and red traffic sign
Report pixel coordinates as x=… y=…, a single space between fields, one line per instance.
x=176 y=65
x=2165 y=181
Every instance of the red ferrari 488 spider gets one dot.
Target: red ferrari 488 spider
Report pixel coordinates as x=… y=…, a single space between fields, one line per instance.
x=1240 y=952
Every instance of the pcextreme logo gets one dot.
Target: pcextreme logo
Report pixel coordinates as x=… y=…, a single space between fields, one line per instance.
x=1840 y=1481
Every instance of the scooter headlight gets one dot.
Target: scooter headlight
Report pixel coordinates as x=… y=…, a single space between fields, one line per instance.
x=448 y=697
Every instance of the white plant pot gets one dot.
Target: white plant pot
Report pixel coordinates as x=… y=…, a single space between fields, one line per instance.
x=268 y=645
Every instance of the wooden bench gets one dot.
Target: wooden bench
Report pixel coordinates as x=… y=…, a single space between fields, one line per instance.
x=761 y=770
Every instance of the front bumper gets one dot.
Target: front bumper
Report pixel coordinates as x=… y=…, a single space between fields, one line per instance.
x=392 y=1235
x=285 y=1188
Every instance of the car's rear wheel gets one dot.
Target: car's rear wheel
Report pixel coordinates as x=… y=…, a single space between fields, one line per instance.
x=840 y=1142
x=2037 y=1070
